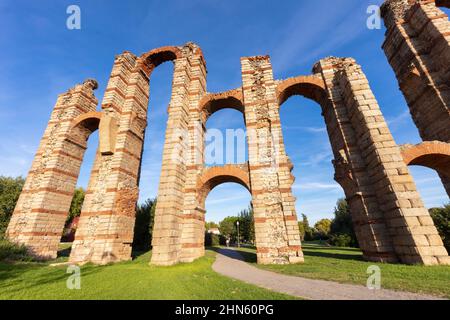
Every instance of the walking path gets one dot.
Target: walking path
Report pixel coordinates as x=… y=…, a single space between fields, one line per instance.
x=230 y=263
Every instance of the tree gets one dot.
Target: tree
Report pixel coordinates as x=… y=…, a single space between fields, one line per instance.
x=323 y=228
x=228 y=227
x=306 y=232
x=301 y=229
x=10 y=189
x=143 y=227
x=211 y=225
x=76 y=204
x=441 y=219
x=247 y=225
x=341 y=231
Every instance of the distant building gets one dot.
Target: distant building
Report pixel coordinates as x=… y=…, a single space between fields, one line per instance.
x=214 y=231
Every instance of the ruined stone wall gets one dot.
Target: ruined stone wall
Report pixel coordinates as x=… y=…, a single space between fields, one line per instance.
x=350 y=168
x=390 y=219
x=276 y=228
x=105 y=228
x=193 y=212
x=417 y=46
x=167 y=232
x=413 y=234
x=43 y=206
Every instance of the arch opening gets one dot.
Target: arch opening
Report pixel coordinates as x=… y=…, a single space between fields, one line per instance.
x=311 y=87
x=156 y=57
x=83 y=146
x=434 y=155
x=224 y=205
x=315 y=184
x=160 y=84
x=214 y=176
x=429 y=187
x=214 y=102
x=225 y=138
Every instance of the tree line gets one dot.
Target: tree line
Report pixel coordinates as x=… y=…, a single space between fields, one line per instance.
x=337 y=231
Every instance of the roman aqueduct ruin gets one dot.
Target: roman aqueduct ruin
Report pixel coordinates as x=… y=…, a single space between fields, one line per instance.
x=390 y=220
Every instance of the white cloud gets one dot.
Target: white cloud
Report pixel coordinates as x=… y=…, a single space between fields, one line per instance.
x=307 y=129
x=316 y=186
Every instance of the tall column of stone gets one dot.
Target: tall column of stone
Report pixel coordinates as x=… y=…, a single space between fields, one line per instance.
x=414 y=236
x=276 y=226
x=43 y=206
x=168 y=226
x=105 y=230
x=351 y=170
x=417 y=46
x=193 y=230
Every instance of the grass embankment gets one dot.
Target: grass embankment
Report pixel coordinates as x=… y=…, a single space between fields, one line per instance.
x=345 y=265
x=126 y=280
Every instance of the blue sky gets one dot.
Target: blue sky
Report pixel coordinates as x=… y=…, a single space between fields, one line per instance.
x=41 y=58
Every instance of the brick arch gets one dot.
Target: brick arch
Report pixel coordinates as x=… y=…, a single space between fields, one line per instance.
x=431 y=154
x=311 y=87
x=155 y=57
x=215 y=176
x=83 y=126
x=89 y=120
x=214 y=102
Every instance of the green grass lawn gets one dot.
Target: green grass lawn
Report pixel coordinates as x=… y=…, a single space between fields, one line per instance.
x=127 y=280
x=345 y=265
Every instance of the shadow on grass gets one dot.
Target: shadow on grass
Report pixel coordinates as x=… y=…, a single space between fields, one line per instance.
x=236 y=253
x=337 y=255
x=321 y=247
x=250 y=256
x=65 y=252
x=15 y=277
x=137 y=253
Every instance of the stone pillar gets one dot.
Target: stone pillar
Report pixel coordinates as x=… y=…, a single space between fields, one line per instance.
x=414 y=236
x=105 y=229
x=276 y=226
x=417 y=47
x=351 y=171
x=43 y=206
x=169 y=218
x=193 y=231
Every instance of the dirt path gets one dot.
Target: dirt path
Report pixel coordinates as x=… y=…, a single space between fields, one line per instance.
x=230 y=263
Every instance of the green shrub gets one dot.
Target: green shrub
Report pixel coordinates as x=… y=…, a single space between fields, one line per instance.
x=222 y=240
x=441 y=219
x=13 y=252
x=342 y=225
x=341 y=240
x=143 y=227
x=10 y=189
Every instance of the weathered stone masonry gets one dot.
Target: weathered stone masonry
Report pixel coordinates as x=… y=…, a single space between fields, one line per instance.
x=417 y=46
x=390 y=220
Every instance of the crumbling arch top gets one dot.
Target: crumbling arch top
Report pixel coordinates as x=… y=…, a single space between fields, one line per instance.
x=160 y=55
x=311 y=87
x=89 y=120
x=431 y=154
x=214 y=102
x=215 y=176
x=150 y=60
